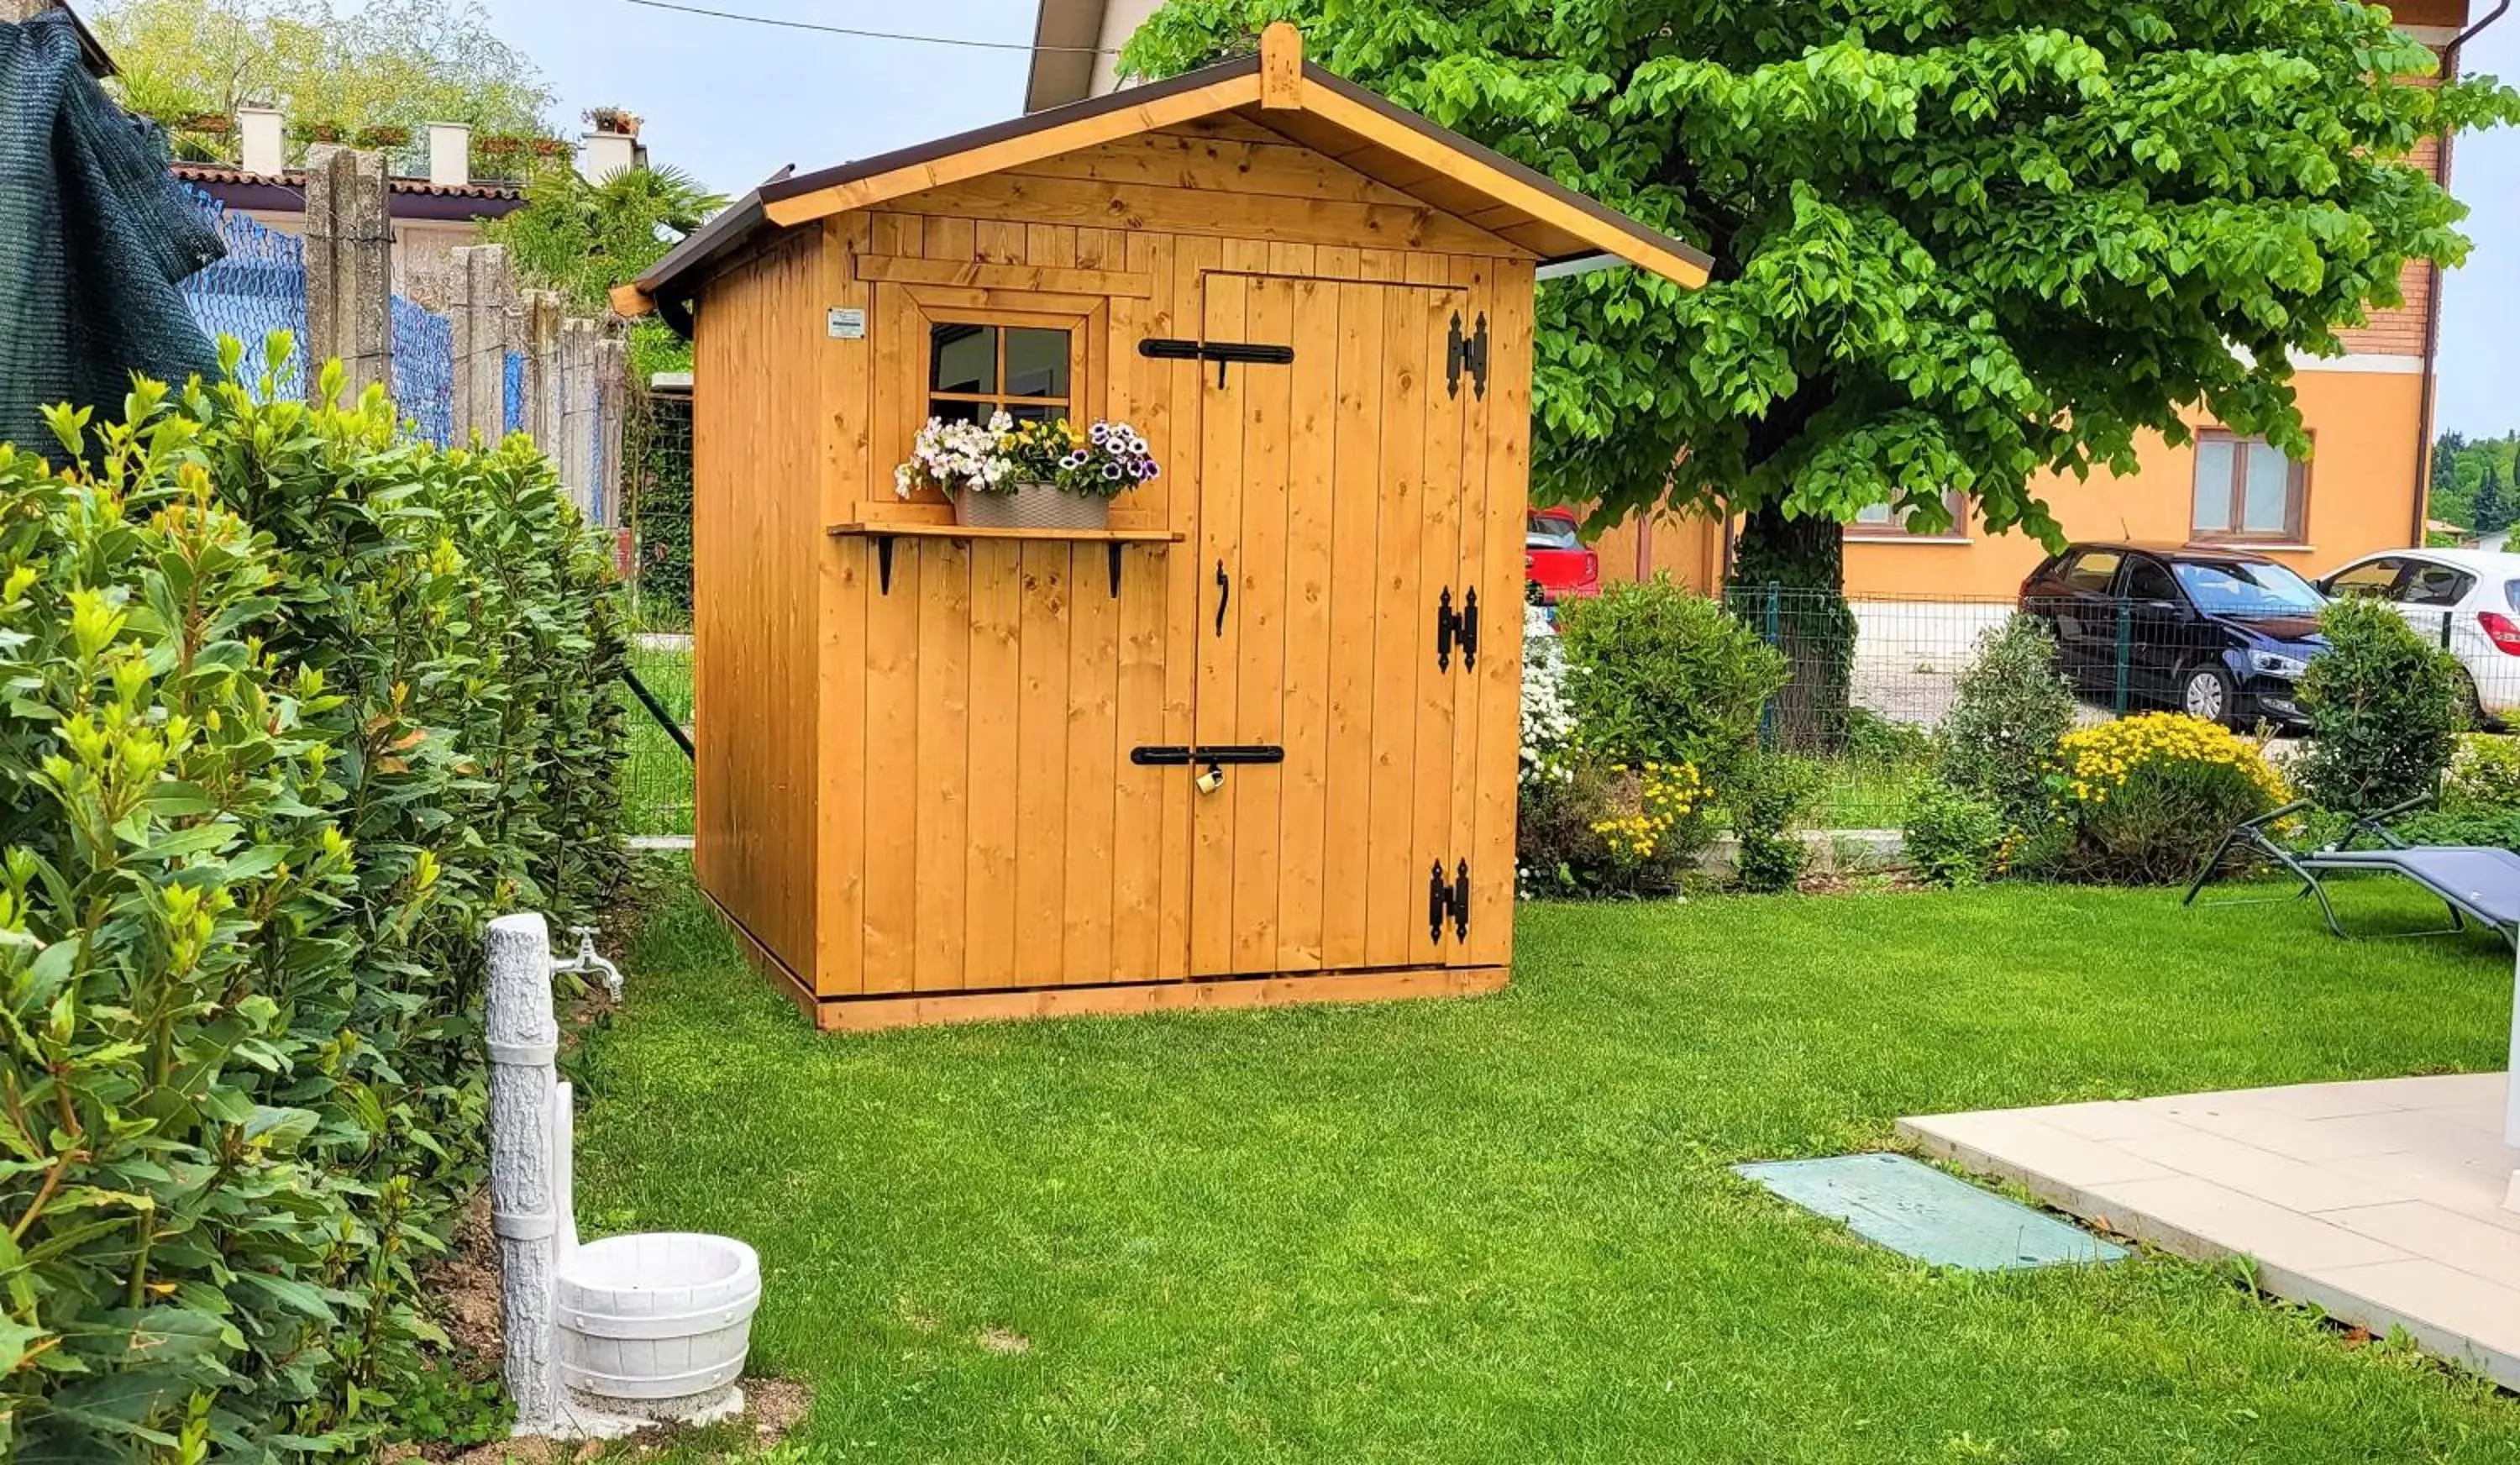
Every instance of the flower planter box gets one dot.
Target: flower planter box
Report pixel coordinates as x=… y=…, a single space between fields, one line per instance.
x=1031 y=505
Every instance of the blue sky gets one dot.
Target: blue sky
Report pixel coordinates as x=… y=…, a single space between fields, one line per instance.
x=732 y=103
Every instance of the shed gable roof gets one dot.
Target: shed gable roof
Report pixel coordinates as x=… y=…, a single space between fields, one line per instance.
x=1276 y=89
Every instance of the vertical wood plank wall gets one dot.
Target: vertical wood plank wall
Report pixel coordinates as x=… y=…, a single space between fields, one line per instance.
x=758 y=548
x=930 y=790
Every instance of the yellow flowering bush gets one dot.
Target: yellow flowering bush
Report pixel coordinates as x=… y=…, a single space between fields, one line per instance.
x=2147 y=797
x=1613 y=829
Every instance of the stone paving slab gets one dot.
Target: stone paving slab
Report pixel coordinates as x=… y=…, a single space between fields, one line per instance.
x=2381 y=1200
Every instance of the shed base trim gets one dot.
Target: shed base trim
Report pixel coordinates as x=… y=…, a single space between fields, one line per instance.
x=873 y=1015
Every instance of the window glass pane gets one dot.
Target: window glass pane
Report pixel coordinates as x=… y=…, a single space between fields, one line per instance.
x=2214 y=484
x=2147 y=579
x=1036 y=363
x=2436 y=585
x=963 y=359
x=2095 y=570
x=1022 y=414
x=2266 y=506
x=1549 y=531
x=2375 y=579
x=1872 y=513
x=960 y=412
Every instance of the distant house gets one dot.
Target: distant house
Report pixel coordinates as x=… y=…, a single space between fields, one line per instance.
x=2369 y=413
x=434 y=212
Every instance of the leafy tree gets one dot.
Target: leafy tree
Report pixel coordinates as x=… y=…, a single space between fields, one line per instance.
x=1959 y=243
x=2492 y=512
x=371 y=64
x=581 y=239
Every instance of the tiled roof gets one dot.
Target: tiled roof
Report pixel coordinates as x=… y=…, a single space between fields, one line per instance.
x=296 y=178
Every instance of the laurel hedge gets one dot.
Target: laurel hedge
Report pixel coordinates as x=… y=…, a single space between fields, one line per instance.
x=290 y=704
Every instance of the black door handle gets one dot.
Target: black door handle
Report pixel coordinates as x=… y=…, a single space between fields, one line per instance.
x=1224 y=594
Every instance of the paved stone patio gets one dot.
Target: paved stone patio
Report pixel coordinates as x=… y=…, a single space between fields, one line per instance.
x=2381 y=1200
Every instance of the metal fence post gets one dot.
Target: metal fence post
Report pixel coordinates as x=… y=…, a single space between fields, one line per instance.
x=1775 y=618
x=2125 y=650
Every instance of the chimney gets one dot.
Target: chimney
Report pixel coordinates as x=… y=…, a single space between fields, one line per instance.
x=450 y=154
x=601 y=155
x=259 y=139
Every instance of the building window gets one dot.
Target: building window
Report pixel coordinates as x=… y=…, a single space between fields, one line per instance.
x=1888 y=521
x=973 y=371
x=2247 y=489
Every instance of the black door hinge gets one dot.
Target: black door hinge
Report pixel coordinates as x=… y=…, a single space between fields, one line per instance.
x=1456 y=628
x=1467 y=350
x=1448 y=900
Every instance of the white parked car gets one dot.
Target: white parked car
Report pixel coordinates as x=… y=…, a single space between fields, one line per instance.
x=2466 y=600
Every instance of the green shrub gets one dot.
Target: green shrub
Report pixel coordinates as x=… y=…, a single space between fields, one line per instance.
x=2483 y=774
x=1594 y=829
x=2385 y=708
x=293 y=706
x=1768 y=798
x=1877 y=741
x=2147 y=798
x=1954 y=838
x=2009 y=710
x=1665 y=676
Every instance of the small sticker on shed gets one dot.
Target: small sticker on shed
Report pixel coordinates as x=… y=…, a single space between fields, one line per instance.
x=847 y=325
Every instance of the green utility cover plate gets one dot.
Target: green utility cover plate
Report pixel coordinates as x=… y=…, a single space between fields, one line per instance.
x=1920 y=1212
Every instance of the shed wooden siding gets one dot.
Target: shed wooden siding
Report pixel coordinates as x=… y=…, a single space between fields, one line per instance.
x=757 y=545
x=978 y=824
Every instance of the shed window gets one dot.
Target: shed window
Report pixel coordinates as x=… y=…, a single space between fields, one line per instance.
x=975 y=371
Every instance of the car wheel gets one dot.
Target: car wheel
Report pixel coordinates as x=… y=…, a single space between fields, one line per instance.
x=2477 y=717
x=2206 y=692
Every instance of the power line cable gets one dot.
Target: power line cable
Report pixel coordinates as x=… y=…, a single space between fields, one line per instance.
x=877 y=35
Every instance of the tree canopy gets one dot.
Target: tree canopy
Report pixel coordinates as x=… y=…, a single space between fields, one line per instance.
x=1959 y=242
x=368 y=65
x=581 y=239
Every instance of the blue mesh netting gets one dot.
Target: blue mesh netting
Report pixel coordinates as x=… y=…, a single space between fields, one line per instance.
x=516 y=393
x=423 y=370
x=260 y=287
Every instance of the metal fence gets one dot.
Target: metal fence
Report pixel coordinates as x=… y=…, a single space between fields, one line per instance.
x=258 y=288
x=423 y=370
x=1872 y=681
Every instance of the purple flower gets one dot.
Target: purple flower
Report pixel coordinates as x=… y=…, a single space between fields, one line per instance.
x=1101 y=434
x=1112 y=472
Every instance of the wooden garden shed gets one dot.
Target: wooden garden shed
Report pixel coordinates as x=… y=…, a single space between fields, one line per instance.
x=1256 y=741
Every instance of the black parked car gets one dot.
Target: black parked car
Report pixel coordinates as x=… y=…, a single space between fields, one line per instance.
x=2221 y=633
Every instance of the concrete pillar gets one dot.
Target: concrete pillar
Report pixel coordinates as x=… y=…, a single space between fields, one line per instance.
x=580 y=408
x=612 y=403
x=450 y=154
x=350 y=267
x=538 y=332
x=527 y=1183
x=482 y=296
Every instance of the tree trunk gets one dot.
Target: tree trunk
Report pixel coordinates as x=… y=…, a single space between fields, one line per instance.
x=1789 y=582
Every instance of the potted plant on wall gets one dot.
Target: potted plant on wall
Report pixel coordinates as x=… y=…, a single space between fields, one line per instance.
x=1002 y=474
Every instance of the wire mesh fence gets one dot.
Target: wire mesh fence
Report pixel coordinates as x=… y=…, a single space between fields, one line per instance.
x=1871 y=679
x=423 y=370
x=258 y=288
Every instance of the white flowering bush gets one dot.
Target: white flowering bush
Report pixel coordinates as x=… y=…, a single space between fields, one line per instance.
x=1101 y=462
x=956 y=456
x=1547 y=716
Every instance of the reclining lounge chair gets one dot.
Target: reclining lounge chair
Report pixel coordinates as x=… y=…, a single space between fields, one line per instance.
x=2478 y=883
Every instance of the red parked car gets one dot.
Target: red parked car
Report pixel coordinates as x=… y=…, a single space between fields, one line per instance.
x=1554 y=557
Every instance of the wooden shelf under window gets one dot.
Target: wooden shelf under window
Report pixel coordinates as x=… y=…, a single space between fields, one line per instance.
x=883 y=533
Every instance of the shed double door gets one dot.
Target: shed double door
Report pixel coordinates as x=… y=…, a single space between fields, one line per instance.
x=1330 y=538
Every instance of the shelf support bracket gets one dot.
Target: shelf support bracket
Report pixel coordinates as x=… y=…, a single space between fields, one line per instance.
x=884 y=563
x=1115 y=547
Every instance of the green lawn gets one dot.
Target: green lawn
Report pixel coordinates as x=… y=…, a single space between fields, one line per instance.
x=657 y=784
x=1502 y=1230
